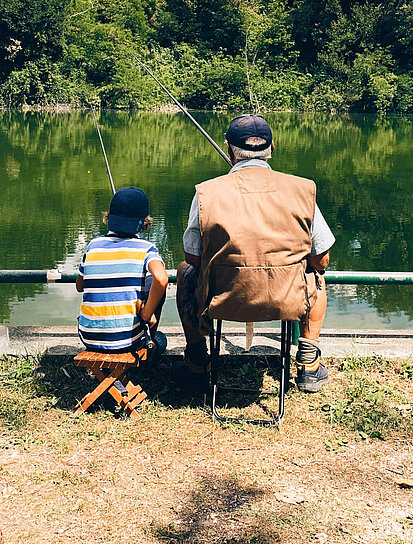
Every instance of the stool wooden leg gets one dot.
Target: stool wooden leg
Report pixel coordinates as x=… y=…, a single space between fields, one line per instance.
x=136 y=401
x=125 y=402
x=106 y=383
x=132 y=389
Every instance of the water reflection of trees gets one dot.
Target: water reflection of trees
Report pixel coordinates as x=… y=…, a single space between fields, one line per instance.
x=54 y=184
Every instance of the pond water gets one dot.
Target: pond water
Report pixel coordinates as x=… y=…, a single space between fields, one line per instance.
x=54 y=188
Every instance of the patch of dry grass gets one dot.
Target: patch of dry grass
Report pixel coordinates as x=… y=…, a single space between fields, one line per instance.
x=175 y=477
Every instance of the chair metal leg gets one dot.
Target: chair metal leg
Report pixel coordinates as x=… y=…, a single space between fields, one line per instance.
x=215 y=344
x=286 y=330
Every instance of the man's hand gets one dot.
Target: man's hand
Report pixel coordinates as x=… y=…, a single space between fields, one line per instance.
x=319 y=262
x=194 y=260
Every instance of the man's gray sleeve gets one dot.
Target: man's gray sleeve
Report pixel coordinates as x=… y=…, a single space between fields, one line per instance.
x=321 y=236
x=192 y=235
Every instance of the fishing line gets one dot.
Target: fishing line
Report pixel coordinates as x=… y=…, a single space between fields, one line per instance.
x=184 y=110
x=104 y=152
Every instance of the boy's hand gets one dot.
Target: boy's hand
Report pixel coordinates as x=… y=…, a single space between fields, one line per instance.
x=150 y=318
x=156 y=292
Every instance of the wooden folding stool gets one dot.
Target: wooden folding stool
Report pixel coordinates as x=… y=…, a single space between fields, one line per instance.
x=118 y=364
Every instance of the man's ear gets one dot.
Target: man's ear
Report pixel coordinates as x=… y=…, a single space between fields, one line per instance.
x=230 y=153
x=272 y=146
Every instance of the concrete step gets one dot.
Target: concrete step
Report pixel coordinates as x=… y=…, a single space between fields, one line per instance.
x=334 y=343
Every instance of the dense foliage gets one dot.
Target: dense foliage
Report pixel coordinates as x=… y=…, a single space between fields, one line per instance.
x=308 y=55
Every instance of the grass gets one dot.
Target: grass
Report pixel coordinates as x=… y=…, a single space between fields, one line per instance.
x=374 y=399
x=20 y=391
x=327 y=476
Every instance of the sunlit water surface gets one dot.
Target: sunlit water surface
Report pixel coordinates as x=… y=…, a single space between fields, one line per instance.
x=54 y=189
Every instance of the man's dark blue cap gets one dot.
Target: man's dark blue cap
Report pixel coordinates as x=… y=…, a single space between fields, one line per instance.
x=246 y=126
x=128 y=210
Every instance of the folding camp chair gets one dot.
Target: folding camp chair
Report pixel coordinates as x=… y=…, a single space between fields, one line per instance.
x=118 y=364
x=215 y=340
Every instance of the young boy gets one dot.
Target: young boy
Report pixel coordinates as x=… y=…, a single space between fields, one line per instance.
x=123 y=280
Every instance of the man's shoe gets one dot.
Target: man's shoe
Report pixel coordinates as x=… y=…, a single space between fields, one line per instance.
x=311 y=381
x=190 y=381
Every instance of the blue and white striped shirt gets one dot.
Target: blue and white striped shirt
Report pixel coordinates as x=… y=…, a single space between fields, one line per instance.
x=114 y=271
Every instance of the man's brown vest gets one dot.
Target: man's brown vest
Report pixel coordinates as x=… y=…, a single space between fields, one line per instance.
x=255 y=232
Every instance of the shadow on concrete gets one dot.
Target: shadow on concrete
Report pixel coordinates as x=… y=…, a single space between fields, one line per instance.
x=257 y=349
x=219 y=510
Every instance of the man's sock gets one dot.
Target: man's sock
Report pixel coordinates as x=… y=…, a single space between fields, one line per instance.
x=308 y=354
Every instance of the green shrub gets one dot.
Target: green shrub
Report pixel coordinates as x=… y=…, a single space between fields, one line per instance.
x=215 y=82
x=282 y=91
x=327 y=96
x=403 y=99
x=39 y=83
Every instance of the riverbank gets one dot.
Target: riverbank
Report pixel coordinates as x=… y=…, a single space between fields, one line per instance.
x=67 y=108
x=338 y=471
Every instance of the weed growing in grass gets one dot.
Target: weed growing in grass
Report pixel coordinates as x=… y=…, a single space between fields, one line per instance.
x=20 y=384
x=353 y=363
x=407 y=369
x=369 y=408
x=366 y=404
x=18 y=371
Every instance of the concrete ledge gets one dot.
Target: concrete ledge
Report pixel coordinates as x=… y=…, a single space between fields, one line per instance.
x=4 y=340
x=334 y=343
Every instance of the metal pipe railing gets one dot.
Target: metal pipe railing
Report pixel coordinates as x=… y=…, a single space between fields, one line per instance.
x=331 y=277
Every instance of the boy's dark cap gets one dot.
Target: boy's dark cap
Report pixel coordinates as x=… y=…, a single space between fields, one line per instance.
x=246 y=126
x=128 y=210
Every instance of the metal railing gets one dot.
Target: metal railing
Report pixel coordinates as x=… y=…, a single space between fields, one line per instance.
x=331 y=277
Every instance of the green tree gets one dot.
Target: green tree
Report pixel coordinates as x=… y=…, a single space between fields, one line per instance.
x=31 y=31
x=214 y=25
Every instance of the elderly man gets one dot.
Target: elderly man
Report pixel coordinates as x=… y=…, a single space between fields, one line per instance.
x=256 y=248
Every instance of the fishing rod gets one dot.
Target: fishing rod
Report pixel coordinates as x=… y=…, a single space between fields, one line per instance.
x=104 y=152
x=184 y=110
x=146 y=330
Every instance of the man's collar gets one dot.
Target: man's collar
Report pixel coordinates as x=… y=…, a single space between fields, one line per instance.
x=248 y=163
